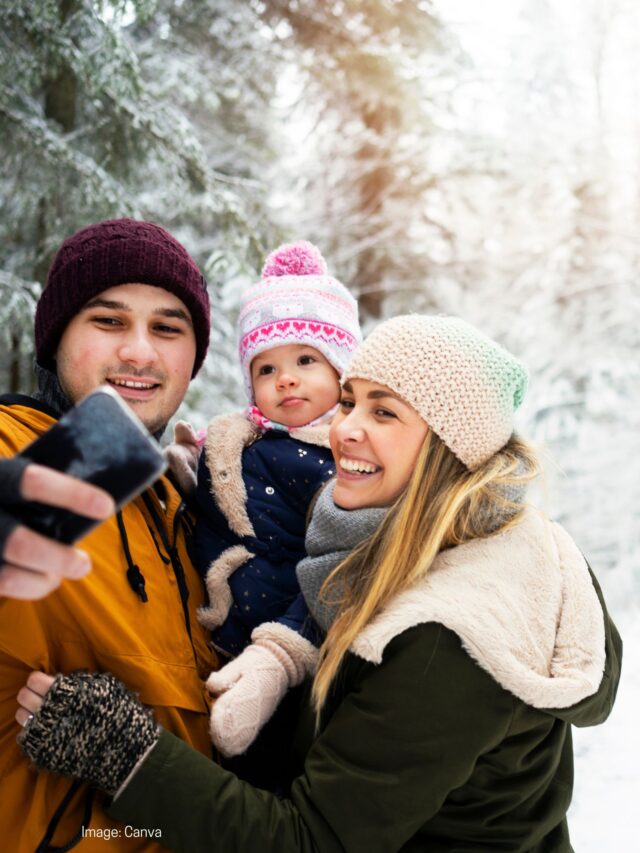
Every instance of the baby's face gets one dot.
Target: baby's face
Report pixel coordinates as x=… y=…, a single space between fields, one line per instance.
x=294 y=384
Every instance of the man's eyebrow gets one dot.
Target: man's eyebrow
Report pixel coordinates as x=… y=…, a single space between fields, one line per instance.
x=106 y=303
x=115 y=305
x=176 y=313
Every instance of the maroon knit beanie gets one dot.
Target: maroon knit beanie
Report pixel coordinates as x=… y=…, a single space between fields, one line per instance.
x=118 y=251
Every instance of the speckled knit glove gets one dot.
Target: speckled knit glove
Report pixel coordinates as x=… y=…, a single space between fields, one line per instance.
x=11 y=471
x=250 y=688
x=90 y=727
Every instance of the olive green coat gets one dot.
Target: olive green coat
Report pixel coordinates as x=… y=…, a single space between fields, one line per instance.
x=426 y=742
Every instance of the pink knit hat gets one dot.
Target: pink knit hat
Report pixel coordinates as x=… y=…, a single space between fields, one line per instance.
x=296 y=301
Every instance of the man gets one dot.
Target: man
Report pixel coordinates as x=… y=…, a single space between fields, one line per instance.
x=124 y=304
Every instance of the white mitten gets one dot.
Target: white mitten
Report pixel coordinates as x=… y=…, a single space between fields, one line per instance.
x=249 y=688
x=182 y=456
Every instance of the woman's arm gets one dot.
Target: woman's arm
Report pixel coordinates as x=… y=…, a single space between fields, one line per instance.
x=406 y=733
x=200 y=806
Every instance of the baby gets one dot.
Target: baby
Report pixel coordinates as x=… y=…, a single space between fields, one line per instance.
x=257 y=475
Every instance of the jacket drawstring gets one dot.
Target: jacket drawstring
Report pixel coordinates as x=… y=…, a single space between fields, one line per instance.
x=134 y=575
x=174 y=557
x=44 y=845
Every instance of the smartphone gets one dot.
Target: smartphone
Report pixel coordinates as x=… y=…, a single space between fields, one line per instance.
x=100 y=441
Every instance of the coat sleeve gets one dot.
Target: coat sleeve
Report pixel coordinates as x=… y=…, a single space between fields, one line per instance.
x=298 y=618
x=212 y=534
x=408 y=732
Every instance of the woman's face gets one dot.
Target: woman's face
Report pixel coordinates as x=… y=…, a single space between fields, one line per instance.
x=375 y=440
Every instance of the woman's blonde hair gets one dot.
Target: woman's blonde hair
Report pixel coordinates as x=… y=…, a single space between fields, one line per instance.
x=444 y=504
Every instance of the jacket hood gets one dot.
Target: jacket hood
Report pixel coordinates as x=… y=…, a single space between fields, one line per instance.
x=525 y=608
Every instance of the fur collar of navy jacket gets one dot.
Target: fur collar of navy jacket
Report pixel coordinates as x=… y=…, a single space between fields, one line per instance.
x=227 y=436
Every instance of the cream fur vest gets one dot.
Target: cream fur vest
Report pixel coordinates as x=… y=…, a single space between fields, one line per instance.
x=523 y=605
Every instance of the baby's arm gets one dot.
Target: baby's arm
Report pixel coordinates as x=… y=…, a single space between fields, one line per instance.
x=250 y=687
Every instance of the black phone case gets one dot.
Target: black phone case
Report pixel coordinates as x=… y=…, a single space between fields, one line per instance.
x=101 y=442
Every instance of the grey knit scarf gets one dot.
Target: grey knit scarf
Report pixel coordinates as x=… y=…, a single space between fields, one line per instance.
x=334 y=532
x=331 y=536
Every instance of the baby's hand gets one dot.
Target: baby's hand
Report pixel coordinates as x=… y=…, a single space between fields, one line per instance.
x=185 y=435
x=183 y=455
x=31 y=696
x=247 y=690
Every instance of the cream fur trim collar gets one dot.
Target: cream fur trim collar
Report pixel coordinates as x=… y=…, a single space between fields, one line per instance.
x=227 y=436
x=524 y=607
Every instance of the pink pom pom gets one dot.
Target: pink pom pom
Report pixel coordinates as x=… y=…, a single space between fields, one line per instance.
x=300 y=258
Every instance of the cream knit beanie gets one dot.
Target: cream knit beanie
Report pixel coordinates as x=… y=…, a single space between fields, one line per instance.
x=464 y=385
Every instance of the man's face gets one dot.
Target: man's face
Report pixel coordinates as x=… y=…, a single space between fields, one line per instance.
x=137 y=338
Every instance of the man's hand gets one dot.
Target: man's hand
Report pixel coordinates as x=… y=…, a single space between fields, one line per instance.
x=31 y=565
x=84 y=725
x=31 y=696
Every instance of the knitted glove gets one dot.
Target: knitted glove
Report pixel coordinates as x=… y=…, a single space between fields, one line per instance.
x=90 y=727
x=11 y=471
x=250 y=688
x=182 y=456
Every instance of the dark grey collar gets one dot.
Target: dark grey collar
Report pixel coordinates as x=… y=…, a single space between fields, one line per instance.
x=50 y=392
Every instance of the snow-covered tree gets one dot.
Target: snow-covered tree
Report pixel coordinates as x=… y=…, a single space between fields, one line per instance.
x=372 y=81
x=92 y=127
x=216 y=64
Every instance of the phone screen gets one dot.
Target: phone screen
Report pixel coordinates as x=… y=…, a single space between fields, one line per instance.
x=101 y=442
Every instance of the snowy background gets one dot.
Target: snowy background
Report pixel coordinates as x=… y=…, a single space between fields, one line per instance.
x=480 y=159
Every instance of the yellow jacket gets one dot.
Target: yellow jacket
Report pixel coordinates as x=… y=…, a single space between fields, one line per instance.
x=100 y=624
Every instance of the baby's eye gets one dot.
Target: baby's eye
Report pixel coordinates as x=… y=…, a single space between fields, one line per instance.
x=265 y=369
x=306 y=359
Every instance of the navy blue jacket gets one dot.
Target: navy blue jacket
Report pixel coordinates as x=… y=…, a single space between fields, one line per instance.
x=268 y=480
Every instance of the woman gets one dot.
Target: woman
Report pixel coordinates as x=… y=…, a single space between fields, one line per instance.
x=463 y=635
